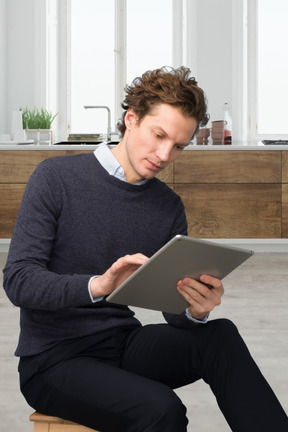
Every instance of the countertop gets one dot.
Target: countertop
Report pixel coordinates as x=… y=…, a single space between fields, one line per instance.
x=249 y=145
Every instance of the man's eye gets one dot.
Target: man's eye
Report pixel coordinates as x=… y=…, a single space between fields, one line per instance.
x=179 y=147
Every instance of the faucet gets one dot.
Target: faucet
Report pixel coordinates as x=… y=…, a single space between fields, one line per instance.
x=109 y=117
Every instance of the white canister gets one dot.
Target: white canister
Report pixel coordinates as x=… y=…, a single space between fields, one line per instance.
x=17 y=132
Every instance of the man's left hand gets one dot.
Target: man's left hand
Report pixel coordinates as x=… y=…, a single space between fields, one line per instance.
x=202 y=296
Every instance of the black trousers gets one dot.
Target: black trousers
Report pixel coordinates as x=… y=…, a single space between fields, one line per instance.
x=122 y=380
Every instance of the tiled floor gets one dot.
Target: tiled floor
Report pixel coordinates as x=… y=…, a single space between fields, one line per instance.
x=256 y=300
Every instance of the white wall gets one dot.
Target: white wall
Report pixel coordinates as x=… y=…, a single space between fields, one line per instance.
x=2 y=65
x=20 y=55
x=214 y=53
x=19 y=70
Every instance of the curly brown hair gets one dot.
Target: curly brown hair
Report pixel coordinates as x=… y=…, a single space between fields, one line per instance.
x=165 y=85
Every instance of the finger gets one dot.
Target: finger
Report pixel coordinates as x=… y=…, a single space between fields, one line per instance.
x=202 y=288
x=133 y=258
x=136 y=259
x=198 y=305
x=128 y=260
x=199 y=293
x=212 y=281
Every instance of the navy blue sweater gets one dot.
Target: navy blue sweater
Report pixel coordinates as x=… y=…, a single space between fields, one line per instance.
x=75 y=220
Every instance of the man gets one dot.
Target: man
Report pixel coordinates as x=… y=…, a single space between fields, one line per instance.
x=85 y=224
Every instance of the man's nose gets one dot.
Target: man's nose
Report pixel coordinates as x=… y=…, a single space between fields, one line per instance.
x=164 y=152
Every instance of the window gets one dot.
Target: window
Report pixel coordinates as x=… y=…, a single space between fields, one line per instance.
x=149 y=36
x=92 y=64
x=102 y=42
x=268 y=34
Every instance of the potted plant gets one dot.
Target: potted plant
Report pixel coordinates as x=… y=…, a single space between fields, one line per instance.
x=37 y=123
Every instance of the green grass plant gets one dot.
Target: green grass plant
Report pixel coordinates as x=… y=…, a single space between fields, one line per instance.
x=37 y=118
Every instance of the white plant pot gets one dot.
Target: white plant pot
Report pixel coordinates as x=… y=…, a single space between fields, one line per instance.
x=40 y=136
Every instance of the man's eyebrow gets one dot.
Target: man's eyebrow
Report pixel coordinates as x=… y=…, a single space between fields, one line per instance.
x=160 y=129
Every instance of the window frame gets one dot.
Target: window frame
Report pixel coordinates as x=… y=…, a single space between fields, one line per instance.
x=184 y=50
x=252 y=76
x=239 y=70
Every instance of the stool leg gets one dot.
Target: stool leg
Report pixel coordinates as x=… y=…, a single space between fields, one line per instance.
x=41 y=427
x=46 y=423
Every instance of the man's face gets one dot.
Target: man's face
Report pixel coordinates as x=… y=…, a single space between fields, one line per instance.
x=149 y=146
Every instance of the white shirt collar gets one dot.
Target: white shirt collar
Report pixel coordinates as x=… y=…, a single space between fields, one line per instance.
x=110 y=163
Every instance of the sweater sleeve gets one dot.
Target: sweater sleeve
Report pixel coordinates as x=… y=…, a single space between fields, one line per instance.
x=180 y=225
x=28 y=282
x=180 y=320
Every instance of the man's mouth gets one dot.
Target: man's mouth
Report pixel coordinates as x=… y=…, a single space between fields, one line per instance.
x=154 y=166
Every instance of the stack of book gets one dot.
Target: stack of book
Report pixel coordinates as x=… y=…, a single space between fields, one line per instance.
x=85 y=137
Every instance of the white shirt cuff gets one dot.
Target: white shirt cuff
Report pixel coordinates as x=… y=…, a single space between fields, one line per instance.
x=190 y=317
x=96 y=299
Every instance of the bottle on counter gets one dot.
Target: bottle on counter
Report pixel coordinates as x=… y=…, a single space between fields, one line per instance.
x=227 y=125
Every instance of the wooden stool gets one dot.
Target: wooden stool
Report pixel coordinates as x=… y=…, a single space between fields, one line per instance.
x=45 y=423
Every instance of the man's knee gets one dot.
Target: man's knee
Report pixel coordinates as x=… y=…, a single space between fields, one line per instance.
x=225 y=339
x=166 y=413
x=225 y=328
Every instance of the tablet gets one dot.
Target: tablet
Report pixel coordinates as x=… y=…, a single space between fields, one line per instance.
x=153 y=285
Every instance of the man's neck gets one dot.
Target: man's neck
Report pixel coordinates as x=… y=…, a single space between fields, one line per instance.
x=121 y=155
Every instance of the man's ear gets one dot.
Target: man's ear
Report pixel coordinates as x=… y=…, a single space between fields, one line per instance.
x=130 y=119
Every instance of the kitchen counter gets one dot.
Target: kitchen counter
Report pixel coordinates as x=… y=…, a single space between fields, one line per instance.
x=247 y=145
x=231 y=191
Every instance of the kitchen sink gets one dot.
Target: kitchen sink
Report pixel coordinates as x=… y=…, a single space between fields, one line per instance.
x=275 y=142
x=85 y=142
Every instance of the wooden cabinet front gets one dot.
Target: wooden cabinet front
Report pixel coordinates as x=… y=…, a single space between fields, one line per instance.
x=17 y=166
x=227 y=194
x=285 y=210
x=285 y=194
x=228 y=167
x=231 y=194
x=232 y=210
x=10 y=199
x=284 y=166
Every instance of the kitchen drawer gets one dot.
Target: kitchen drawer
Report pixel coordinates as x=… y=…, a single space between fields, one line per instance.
x=284 y=166
x=228 y=167
x=232 y=210
x=10 y=200
x=17 y=166
x=285 y=210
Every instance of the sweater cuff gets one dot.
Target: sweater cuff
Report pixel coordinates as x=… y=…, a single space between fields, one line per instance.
x=181 y=320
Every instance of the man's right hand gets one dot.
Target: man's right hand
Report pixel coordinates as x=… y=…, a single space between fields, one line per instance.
x=116 y=274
